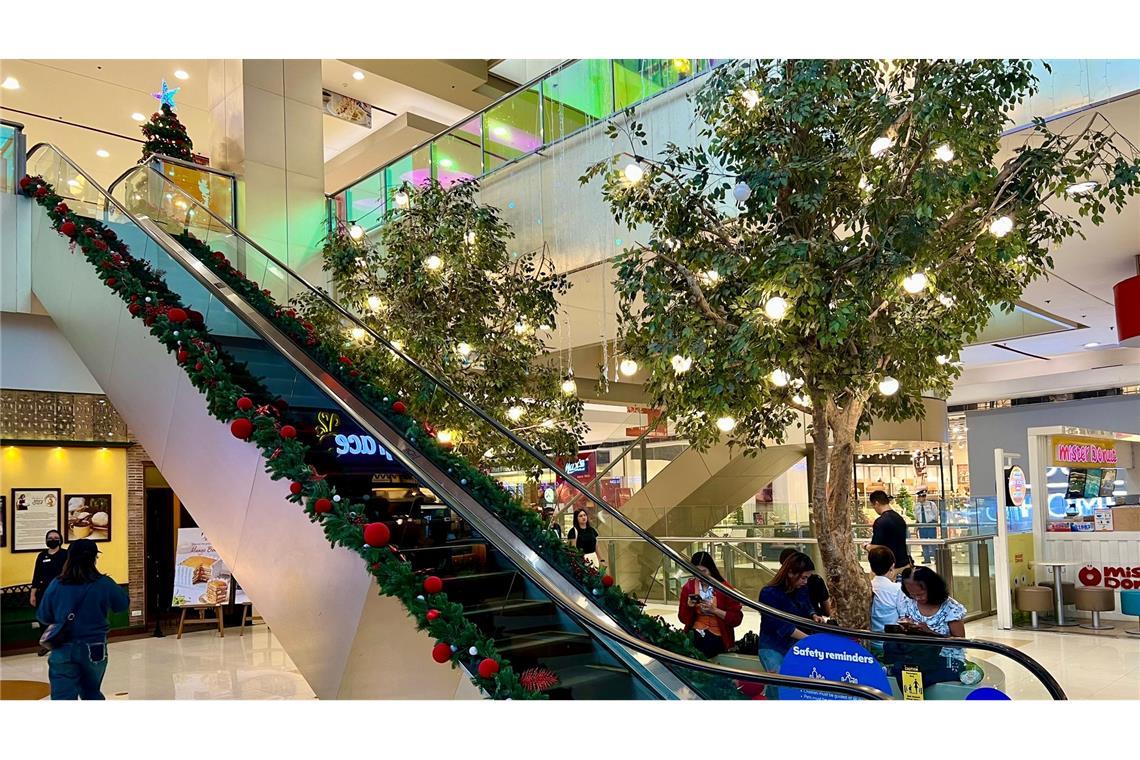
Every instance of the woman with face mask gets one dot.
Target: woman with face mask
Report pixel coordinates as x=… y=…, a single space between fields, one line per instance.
x=49 y=563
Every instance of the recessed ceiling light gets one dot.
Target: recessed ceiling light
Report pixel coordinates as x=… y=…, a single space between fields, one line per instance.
x=181 y=74
x=11 y=83
x=102 y=153
x=358 y=75
x=138 y=116
x=1092 y=344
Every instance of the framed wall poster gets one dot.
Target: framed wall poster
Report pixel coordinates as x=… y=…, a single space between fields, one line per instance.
x=3 y=521
x=88 y=516
x=35 y=511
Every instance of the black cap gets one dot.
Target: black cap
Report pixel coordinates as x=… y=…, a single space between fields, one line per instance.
x=82 y=548
x=879 y=497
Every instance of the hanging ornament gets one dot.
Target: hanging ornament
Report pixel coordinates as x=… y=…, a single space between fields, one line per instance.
x=473 y=652
x=726 y=424
x=288 y=432
x=888 y=386
x=628 y=367
x=377 y=534
x=539 y=678
x=741 y=192
x=607 y=580
x=241 y=428
x=322 y=506
x=441 y=653
x=776 y=308
x=295 y=488
x=177 y=316
x=432 y=614
x=633 y=172
x=488 y=668
x=433 y=584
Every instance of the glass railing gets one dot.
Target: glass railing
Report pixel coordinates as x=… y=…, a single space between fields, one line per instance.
x=560 y=103
x=213 y=188
x=12 y=152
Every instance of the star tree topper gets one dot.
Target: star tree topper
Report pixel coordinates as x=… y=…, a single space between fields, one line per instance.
x=166 y=97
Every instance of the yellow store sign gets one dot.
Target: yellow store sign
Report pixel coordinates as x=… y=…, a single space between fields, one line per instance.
x=1077 y=451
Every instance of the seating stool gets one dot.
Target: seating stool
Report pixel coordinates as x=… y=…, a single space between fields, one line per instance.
x=1068 y=591
x=1096 y=601
x=1034 y=599
x=1130 y=605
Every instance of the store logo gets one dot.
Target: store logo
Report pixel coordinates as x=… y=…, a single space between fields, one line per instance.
x=1015 y=486
x=359 y=444
x=1088 y=453
x=578 y=468
x=1111 y=576
x=1089 y=576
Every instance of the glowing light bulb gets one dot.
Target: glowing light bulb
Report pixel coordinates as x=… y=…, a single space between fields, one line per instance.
x=515 y=413
x=470 y=237
x=569 y=387
x=779 y=378
x=915 y=283
x=881 y=145
x=725 y=424
x=633 y=172
x=401 y=199
x=776 y=308
x=888 y=386
x=548 y=424
x=741 y=191
x=944 y=153
x=374 y=303
x=358 y=333
x=464 y=349
x=444 y=437
x=358 y=75
x=942 y=359
x=520 y=327
x=433 y=262
x=801 y=399
x=710 y=278
x=356 y=232
x=946 y=300
x=628 y=367
x=864 y=185
x=751 y=98
x=398 y=345
x=1001 y=227
x=681 y=364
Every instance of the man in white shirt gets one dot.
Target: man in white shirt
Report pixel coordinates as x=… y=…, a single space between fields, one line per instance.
x=926 y=510
x=885 y=590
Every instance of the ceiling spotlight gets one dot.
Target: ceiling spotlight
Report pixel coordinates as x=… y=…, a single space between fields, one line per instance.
x=1092 y=344
x=888 y=386
x=356 y=232
x=725 y=424
x=374 y=303
x=102 y=153
x=515 y=413
x=358 y=75
x=180 y=74
x=138 y=116
x=1001 y=227
x=633 y=172
x=881 y=145
x=776 y=308
x=751 y=98
x=11 y=83
x=944 y=153
x=681 y=364
x=1082 y=188
x=915 y=283
x=779 y=378
x=433 y=262
x=569 y=387
x=628 y=367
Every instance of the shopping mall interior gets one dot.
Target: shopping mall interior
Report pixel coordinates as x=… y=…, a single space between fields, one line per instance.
x=576 y=379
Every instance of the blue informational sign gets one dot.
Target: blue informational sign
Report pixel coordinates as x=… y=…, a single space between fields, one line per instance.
x=987 y=693
x=833 y=658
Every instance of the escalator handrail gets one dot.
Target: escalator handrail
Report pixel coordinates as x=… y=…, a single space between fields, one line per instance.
x=1043 y=675
x=263 y=327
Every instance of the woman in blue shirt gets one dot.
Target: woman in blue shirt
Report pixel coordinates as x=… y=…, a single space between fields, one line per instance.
x=786 y=592
x=76 y=667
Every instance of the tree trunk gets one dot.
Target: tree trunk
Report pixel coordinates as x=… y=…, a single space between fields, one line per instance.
x=832 y=484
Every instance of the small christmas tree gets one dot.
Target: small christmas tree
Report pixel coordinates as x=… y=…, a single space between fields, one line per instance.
x=165 y=134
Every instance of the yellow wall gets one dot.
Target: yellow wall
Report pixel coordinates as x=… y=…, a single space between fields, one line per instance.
x=72 y=470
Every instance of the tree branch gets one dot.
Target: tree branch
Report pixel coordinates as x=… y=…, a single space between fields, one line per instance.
x=698 y=292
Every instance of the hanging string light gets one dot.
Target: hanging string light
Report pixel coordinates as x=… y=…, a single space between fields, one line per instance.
x=681 y=364
x=463 y=349
x=356 y=232
x=779 y=378
x=569 y=387
x=401 y=199
x=633 y=172
x=374 y=303
x=888 y=386
x=1001 y=226
x=776 y=308
x=881 y=145
x=915 y=283
x=433 y=263
x=515 y=413
x=751 y=98
x=726 y=424
x=628 y=367
x=944 y=153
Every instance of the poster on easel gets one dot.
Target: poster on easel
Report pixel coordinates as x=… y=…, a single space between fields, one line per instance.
x=201 y=578
x=240 y=597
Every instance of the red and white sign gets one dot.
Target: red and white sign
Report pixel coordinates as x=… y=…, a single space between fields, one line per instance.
x=1076 y=452
x=583 y=469
x=1110 y=576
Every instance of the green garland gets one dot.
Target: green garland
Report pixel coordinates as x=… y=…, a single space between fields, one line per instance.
x=216 y=374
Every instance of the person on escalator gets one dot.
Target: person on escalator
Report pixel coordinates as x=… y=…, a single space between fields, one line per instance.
x=788 y=593
x=816 y=588
x=926 y=608
x=709 y=615
x=583 y=536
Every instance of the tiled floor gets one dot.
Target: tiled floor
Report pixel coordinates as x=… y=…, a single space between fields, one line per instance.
x=1087 y=667
x=199 y=666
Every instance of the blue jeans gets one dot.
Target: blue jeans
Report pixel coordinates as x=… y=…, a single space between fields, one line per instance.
x=76 y=670
x=927 y=531
x=771 y=660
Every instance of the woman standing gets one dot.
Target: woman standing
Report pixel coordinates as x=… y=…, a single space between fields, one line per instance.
x=786 y=592
x=76 y=667
x=49 y=564
x=584 y=537
x=709 y=615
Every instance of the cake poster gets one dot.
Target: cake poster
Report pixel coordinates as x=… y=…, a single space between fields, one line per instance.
x=88 y=516
x=201 y=579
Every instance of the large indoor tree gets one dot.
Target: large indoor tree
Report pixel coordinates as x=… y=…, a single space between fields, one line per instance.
x=441 y=282
x=841 y=230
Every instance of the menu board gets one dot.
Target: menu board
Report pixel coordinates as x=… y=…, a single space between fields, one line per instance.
x=1076 y=486
x=201 y=579
x=1092 y=484
x=1108 y=482
x=35 y=511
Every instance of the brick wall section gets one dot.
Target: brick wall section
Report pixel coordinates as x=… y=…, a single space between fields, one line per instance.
x=137 y=460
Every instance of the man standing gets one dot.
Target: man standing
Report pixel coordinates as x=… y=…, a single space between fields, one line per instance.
x=928 y=514
x=889 y=529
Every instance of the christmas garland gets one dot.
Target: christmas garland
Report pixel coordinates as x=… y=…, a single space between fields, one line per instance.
x=234 y=395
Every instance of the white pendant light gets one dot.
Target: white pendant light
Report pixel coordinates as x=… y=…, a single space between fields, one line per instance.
x=1001 y=226
x=944 y=153
x=888 y=386
x=946 y=300
x=433 y=262
x=633 y=172
x=776 y=308
x=515 y=413
x=569 y=387
x=681 y=364
x=725 y=424
x=628 y=367
x=779 y=378
x=751 y=99
x=463 y=349
x=741 y=191
x=356 y=232
x=915 y=283
x=881 y=145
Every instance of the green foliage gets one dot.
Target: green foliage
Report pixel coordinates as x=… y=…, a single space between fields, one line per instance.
x=477 y=319
x=905 y=502
x=166 y=136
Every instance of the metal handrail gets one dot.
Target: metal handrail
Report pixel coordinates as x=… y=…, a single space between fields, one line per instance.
x=187 y=164
x=1043 y=675
x=410 y=458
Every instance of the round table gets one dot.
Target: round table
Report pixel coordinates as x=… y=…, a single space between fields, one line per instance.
x=1058 y=596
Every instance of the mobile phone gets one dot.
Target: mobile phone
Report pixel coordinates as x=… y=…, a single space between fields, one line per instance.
x=695 y=598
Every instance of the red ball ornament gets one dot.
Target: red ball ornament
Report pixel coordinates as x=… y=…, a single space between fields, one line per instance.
x=377 y=534
x=25 y=181
x=346 y=361
x=111 y=282
x=198 y=366
x=41 y=191
x=488 y=668
x=288 y=432
x=100 y=245
x=195 y=317
x=441 y=653
x=134 y=309
x=323 y=506
x=607 y=580
x=61 y=208
x=177 y=315
x=400 y=407
x=68 y=228
x=245 y=403
x=241 y=428
x=432 y=614
x=295 y=488
x=182 y=356
x=433 y=584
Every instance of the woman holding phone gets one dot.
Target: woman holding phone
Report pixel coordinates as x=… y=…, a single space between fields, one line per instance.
x=786 y=592
x=925 y=607
x=709 y=615
x=583 y=536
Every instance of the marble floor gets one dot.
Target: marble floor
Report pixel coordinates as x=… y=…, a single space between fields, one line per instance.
x=199 y=666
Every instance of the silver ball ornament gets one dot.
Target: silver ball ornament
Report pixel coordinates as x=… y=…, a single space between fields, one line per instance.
x=472 y=651
x=741 y=191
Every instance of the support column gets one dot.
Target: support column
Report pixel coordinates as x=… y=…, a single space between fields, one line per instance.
x=266 y=126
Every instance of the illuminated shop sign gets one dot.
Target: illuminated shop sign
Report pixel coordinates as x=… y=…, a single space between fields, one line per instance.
x=1110 y=576
x=1015 y=486
x=348 y=443
x=583 y=468
x=1068 y=451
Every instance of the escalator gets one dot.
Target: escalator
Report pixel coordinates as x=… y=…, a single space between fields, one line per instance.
x=523 y=591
